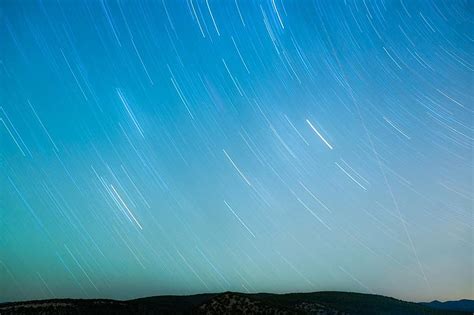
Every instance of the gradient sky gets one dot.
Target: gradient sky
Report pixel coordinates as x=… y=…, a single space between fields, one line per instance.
x=178 y=147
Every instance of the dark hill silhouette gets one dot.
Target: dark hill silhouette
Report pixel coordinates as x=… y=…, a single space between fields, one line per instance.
x=330 y=303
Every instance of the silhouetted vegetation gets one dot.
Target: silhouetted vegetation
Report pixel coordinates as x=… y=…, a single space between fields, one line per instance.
x=329 y=303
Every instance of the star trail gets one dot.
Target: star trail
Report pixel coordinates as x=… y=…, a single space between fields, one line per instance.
x=188 y=146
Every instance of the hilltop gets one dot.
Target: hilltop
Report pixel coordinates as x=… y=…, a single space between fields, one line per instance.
x=322 y=303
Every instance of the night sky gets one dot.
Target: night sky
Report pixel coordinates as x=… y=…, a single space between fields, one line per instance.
x=179 y=147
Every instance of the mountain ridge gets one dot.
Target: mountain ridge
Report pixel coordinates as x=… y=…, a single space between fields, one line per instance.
x=463 y=305
x=323 y=303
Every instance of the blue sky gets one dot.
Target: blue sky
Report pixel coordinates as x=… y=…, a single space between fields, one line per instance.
x=178 y=147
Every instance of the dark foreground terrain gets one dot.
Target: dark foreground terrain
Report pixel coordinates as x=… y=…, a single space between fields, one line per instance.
x=330 y=303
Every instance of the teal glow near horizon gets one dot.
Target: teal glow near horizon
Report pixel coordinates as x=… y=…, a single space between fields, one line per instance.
x=181 y=147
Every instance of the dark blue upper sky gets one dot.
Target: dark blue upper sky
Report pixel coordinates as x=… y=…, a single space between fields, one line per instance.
x=176 y=147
